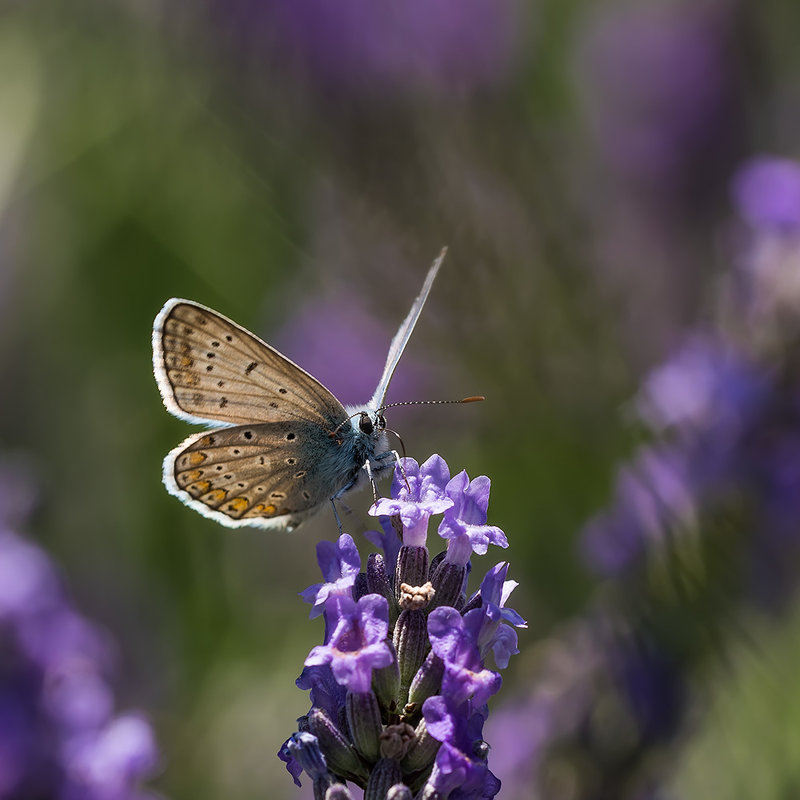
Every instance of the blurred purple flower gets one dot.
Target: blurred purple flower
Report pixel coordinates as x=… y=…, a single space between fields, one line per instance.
x=660 y=85
x=344 y=347
x=767 y=193
x=58 y=734
x=419 y=45
x=706 y=382
x=358 y=642
x=596 y=670
x=655 y=495
x=109 y=761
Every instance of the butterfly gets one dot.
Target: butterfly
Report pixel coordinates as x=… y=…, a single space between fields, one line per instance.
x=278 y=445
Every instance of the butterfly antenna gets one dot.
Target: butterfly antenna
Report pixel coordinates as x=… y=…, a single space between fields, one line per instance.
x=475 y=398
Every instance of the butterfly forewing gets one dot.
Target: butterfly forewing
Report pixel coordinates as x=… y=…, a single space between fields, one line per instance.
x=252 y=474
x=209 y=369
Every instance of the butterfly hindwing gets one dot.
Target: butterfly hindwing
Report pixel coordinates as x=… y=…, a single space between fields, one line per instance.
x=267 y=474
x=211 y=370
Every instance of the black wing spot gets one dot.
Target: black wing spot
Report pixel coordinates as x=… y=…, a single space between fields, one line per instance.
x=240 y=485
x=220 y=383
x=250 y=367
x=290 y=436
x=187 y=331
x=306 y=495
x=200 y=320
x=228 y=477
x=248 y=434
x=291 y=461
x=261 y=460
x=210 y=355
x=282 y=390
x=209 y=367
x=273 y=404
x=300 y=474
x=229 y=338
x=211 y=440
x=215 y=344
x=223 y=401
x=278 y=495
x=220 y=467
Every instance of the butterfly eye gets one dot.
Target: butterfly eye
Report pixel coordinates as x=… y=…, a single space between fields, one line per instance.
x=365 y=423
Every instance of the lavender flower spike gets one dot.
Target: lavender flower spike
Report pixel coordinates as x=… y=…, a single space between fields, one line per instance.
x=418 y=491
x=398 y=700
x=358 y=643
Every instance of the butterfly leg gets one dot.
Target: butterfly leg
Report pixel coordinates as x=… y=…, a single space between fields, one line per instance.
x=338 y=497
x=372 y=482
x=336 y=513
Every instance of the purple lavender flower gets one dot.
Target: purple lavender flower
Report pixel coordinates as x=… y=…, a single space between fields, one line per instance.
x=454 y=639
x=339 y=563
x=495 y=632
x=326 y=692
x=399 y=687
x=293 y=766
x=388 y=541
x=59 y=736
x=459 y=770
x=418 y=491
x=358 y=642
x=464 y=523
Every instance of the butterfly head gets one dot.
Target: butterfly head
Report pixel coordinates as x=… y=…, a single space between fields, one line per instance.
x=371 y=422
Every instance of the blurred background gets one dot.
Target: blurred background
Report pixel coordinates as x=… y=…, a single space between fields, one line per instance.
x=297 y=166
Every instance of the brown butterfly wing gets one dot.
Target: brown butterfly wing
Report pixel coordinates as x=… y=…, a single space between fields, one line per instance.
x=268 y=474
x=211 y=370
